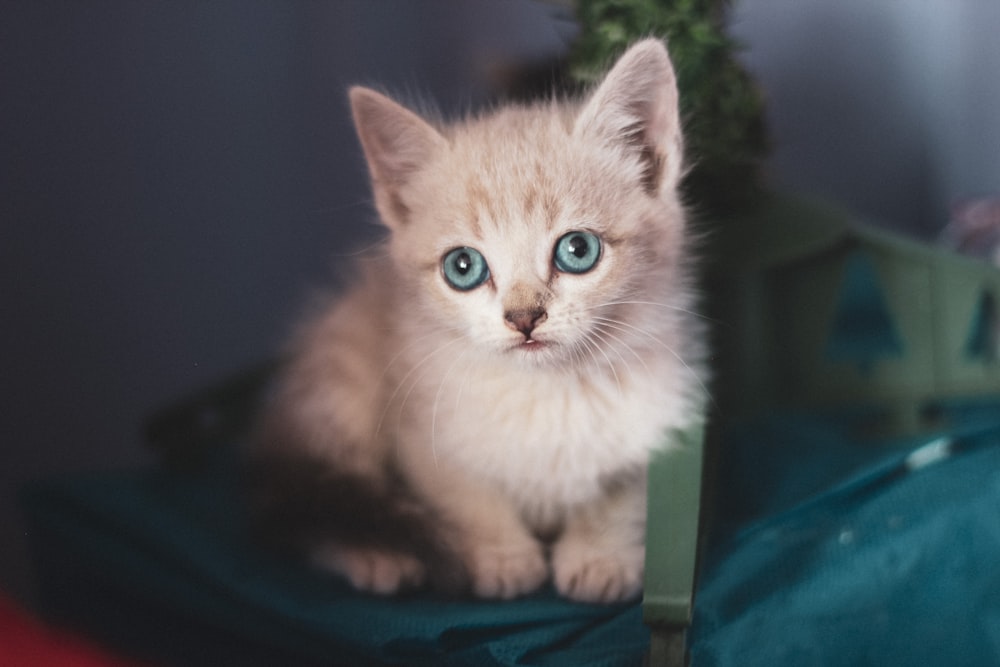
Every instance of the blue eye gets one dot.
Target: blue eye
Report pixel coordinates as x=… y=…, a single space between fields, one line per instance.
x=465 y=268
x=577 y=252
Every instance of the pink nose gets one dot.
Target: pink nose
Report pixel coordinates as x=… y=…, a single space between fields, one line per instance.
x=524 y=321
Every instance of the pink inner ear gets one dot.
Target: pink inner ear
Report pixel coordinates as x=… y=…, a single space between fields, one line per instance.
x=397 y=143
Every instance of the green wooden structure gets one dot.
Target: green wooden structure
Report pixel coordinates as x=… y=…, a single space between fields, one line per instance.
x=672 y=536
x=819 y=311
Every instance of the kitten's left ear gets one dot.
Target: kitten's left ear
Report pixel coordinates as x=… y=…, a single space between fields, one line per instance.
x=397 y=144
x=635 y=108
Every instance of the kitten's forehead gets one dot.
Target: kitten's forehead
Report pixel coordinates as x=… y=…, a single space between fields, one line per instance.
x=517 y=167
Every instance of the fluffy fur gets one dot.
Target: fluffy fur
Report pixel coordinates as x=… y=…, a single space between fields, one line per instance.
x=503 y=431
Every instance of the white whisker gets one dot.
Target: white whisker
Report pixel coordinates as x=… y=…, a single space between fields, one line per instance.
x=608 y=341
x=403 y=381
x=413 y=343
x=659 y=304
x=460 y=393
x=654 y=339
x=437 y=400
x=604 y=324
x=594 y=346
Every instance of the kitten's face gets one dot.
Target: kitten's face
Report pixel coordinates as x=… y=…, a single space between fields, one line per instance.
x=527 y=241
x=542 y=234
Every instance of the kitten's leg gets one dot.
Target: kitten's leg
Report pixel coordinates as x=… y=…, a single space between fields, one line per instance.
x=369 y=569
x=503 y=558
x=601 y=553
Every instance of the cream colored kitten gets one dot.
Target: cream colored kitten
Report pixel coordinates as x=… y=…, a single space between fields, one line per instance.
x=479 y=409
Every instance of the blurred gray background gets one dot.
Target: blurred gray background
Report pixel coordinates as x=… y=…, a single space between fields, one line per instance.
x=176 y=175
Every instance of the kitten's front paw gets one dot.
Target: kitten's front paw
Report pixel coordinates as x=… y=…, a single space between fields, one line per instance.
x=587 y=573
x=501 y=571
x=371 y=570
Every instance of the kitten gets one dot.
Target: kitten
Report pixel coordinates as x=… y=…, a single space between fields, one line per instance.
x=478 y=410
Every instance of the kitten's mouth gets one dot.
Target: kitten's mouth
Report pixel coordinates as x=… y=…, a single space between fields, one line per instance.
x=531 y=346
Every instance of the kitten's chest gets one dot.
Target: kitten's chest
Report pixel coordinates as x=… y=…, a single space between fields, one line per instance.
x=550 y=438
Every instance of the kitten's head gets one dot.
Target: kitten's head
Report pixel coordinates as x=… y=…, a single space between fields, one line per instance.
x=542 y=233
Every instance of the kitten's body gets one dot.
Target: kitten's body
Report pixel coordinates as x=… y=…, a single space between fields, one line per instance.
x=529 y=403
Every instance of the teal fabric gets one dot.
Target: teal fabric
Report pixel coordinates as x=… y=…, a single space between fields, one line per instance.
x=824 y=549
x=892 y=558
x=179 y=542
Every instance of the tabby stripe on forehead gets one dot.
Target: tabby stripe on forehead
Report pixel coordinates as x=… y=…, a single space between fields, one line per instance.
x=530 y=199
x=551 y=207
x=537 y=192
x=480 y=202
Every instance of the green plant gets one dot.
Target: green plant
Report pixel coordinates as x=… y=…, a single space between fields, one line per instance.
x=722 y=108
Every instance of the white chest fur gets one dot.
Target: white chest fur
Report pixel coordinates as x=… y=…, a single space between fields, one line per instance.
x=548 y=438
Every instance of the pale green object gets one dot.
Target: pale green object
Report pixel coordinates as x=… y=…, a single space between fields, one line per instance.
x=783 y=283
x=672 y=545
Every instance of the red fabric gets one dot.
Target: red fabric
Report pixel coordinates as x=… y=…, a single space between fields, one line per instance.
x=25 y=642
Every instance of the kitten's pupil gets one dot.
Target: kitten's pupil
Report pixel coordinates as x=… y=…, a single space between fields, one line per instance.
x=463 y=263
x=578 y=246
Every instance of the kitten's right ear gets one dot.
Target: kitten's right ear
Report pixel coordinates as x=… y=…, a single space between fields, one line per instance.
x=635 y=108
x=397 y=143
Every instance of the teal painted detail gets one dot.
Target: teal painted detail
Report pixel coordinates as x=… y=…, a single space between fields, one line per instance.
x=981 y=344
x=863 y=330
